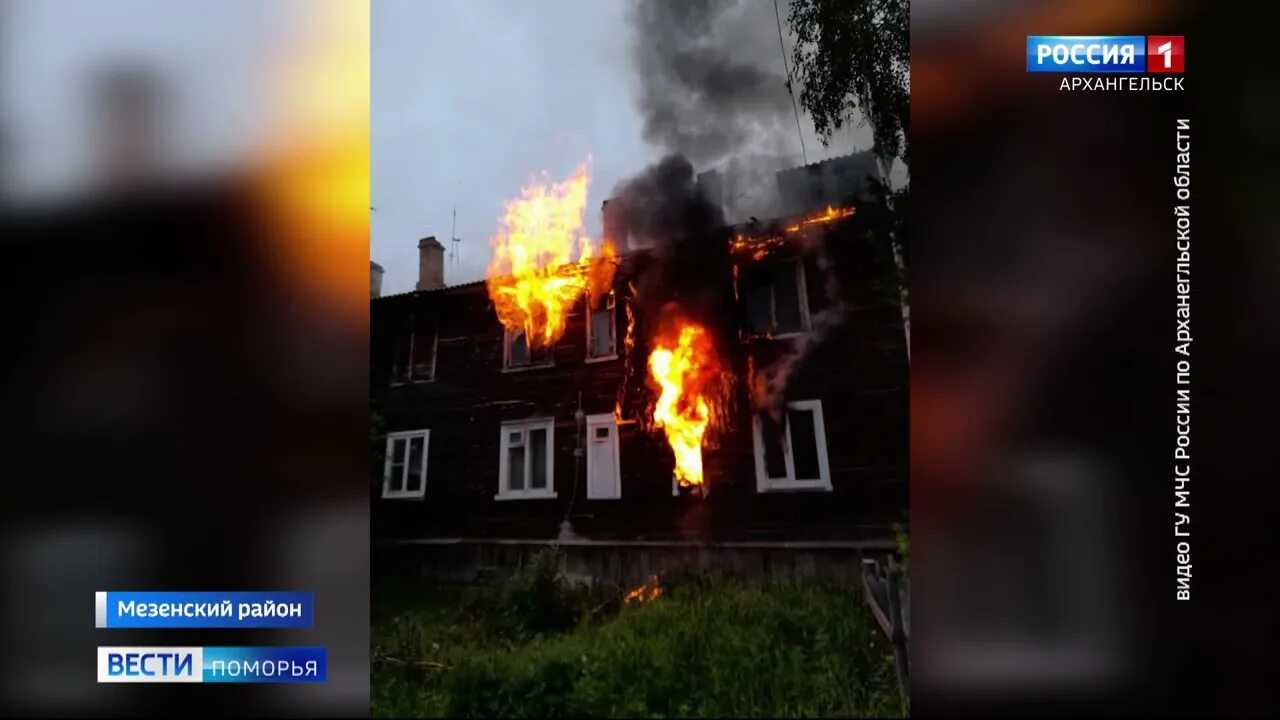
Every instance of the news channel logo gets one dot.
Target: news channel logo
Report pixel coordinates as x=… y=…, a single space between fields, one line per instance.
x=1106 y=53
x=211 y=665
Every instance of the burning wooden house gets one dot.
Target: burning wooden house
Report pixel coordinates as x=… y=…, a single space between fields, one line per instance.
x=730 y=396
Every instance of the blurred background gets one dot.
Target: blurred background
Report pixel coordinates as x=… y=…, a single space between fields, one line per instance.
x=1043 y=369
x=185 y=209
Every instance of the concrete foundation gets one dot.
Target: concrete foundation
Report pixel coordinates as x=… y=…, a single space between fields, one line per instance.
x=627 y=564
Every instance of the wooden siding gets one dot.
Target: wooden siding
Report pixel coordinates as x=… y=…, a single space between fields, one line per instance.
x=859 y=373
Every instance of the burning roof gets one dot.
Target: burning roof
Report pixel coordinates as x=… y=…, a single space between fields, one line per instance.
x=752 y=243
x=745 y=242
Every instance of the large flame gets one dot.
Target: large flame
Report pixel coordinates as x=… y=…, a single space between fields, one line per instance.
x=543 y=261
x=684 y=367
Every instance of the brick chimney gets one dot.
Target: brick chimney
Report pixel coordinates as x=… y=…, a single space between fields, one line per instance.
x=129 y=127
x=430 y=264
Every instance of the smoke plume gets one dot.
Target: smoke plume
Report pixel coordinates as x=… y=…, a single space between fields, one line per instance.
x=660 y=207
x=711 y=78
x=664 y=211
x=681 y=273
x=712 y=93
x=712 y=88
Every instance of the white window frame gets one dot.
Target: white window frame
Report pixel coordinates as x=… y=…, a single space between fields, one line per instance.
x=402 y=493
x=789 y=483
x=605 y=420
x=435 y=347
x=612 y=309
x=507 y=336
x=803 y=300
x=525 y=427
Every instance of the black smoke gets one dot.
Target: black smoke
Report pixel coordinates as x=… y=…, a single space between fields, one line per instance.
x=660 y=207
x=711 y=79
x=675 y=236
x=676 y=264
x=712 y=92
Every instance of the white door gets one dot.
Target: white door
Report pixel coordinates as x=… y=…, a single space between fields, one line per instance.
x=603 y=479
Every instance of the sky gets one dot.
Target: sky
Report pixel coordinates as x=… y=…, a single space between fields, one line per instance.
x=470 y=100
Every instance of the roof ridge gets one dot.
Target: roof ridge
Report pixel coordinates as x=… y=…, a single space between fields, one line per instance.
x=830 y=159
x=618 y=257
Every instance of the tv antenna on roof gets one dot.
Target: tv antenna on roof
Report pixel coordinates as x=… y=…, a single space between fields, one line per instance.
x=454 y=239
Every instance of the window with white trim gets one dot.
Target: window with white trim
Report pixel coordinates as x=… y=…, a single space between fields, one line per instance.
x=415 y=350
x=404 y=472
x=526 y=466
x=774 y=297
x=601 y=328
x=791 y=451
x=517 y=354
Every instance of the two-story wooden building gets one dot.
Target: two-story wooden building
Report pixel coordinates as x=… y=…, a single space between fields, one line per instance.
x=487 y=450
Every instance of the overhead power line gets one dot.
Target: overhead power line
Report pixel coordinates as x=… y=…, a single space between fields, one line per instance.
x=782 y=48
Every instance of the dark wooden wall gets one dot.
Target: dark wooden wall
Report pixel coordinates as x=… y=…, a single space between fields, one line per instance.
x=859 y=372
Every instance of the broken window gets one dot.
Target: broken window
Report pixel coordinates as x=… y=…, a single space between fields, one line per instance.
x=774 y=298
x=415 y=350
x=601 y=328
x=525 y=465
x=791 y=450
x=518 y=354
x=404 y=473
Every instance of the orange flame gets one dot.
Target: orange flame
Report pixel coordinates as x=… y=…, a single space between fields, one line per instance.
x=628 y=344
x=543 y=261
x=650 y=590
x=832 y=213
x=683 y=365
x=759 y=247
x=755 y=248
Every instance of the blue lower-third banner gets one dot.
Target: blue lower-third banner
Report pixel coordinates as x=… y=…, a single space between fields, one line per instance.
x=150 y=609
x=211 y=664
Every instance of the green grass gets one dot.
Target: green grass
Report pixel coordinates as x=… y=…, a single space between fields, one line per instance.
x=705 y=648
